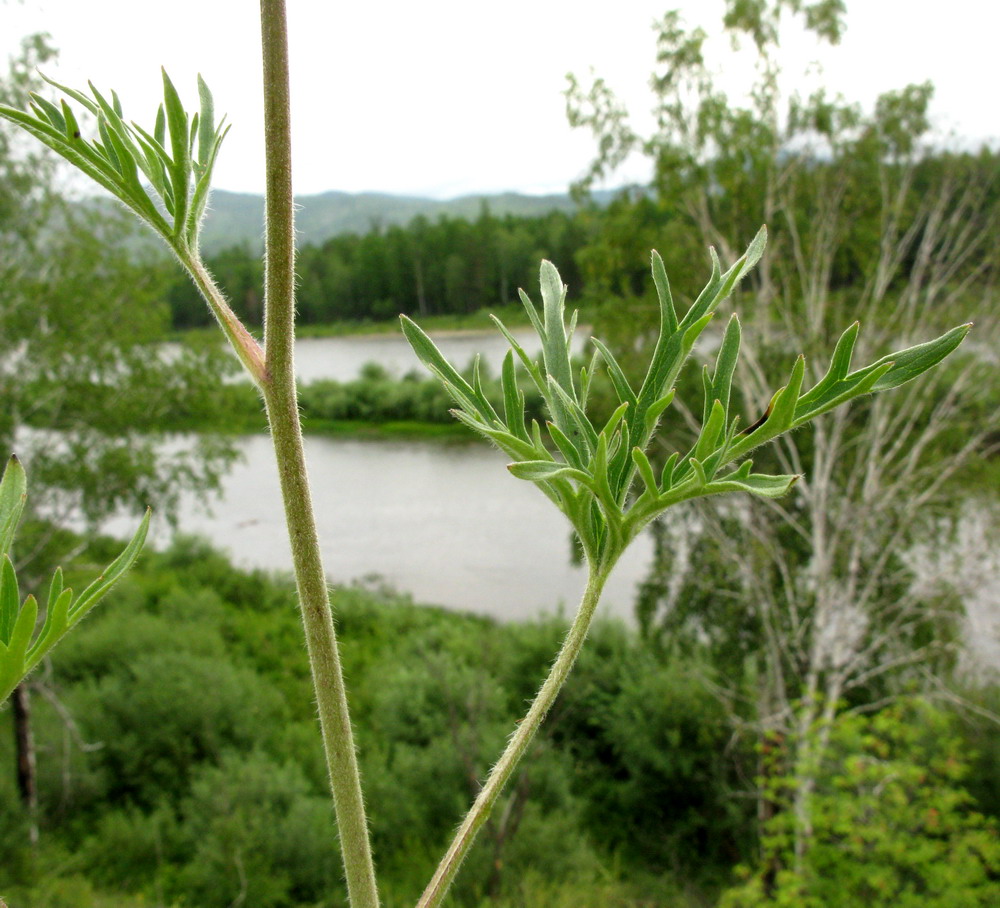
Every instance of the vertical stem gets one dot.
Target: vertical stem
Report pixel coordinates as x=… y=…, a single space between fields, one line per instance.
x=518 y=744
x=282 y=411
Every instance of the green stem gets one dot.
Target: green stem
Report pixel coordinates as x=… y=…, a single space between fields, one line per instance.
x=518 y=744
x=242 y=341
x=286 y=432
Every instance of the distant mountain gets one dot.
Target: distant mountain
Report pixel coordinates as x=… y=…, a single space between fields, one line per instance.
x=236 y=218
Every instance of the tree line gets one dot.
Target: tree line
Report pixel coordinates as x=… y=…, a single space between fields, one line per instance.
x=447 y=266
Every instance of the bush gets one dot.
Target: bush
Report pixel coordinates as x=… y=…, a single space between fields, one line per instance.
x=892 y=825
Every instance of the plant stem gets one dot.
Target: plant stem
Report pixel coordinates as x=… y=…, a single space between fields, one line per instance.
x=518 y=744
x=242 y=341
x=286 y=433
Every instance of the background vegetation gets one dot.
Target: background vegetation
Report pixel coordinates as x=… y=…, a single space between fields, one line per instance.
x=636 y=794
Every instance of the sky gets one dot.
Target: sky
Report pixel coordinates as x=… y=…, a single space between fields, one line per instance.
x=443 y=98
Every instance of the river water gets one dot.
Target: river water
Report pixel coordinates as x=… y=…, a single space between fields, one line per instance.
x=341 y=358
x=444 y=522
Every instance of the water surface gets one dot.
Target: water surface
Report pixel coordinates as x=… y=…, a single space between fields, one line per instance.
x=341 y=358
x=446 y=523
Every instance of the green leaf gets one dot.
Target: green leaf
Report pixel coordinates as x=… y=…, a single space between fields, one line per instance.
x=160 y=127
x=567 y=448
x=614 y=419
x=554 y=350
x=710 y=432
x=157 y=160
x=668 y=357
x=10 y=599
x=759 y=484
x=12 y=654
x=908 y=364
x=76 y=151
x=428 y=353
x=840 y=363
x=602 y=482
x=668 y=315
x=115 y=160
x=667 y=474
x=56 y=624
x=111 y=574
x=570 y=331
x=513 y=399
x=855 y=385
x=77 y=96
x=587 y=376
x=783 y=409
x=708 y=297
x=592 y=483
x=720 y=286
x=615 y=373
x=655 y=411
x=48 y=110
x=529 y=307
x=837 y=387
x=504 y=440
x=530 y=366
x=200 y=197
x=779 y=416
x=180 y=170
x=20 y=636
x=545 y=470
x=645 y=471
x=206 y=122
x=725 y=365
x=13 y=493
x=574 y=421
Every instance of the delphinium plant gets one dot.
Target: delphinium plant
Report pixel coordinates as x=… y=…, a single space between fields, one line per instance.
x=599 y=476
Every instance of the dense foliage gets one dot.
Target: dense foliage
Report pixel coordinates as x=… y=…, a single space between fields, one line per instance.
x=636 y=794
x=159 y=789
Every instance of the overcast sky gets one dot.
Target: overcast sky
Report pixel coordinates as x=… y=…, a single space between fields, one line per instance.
x=447 y=97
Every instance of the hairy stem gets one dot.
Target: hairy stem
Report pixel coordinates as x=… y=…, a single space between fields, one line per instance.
x=518 y=744
x=283 y=417
x=242 y=341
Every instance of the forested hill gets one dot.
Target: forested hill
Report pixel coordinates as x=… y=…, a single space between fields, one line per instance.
x=235 y=218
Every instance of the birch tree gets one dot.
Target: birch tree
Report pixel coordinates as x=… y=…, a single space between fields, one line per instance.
x=823 y=611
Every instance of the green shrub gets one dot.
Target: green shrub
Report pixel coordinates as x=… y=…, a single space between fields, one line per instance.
x=892 y=824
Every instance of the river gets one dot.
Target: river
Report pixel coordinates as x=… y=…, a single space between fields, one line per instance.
x=341 y=358
x=445 y=523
